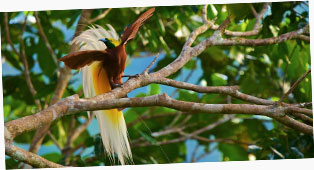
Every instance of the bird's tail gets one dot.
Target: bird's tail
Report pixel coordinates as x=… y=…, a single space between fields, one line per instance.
x=95 y=81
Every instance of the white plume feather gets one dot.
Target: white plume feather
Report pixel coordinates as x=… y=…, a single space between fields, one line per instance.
x=114 y=137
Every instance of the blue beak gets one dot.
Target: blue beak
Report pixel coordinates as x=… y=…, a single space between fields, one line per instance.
x=103 y=40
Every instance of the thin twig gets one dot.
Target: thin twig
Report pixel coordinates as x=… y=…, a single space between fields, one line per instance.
x=101 y=16
x=70 y=133
x=206 y=153
x=295 y=85
x=54 y=140
x=183 y=138
x=253 y=10
x=43 y=35
x=151 y=64
x=81 y=128
x=257 y=26
x=7 y=34
x=194 y=153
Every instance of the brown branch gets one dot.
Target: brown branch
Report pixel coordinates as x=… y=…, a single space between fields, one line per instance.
x=204 y=14
x=224 y=140
x=145 y=117
x=206 y=24
x=295 y=85
x=54 y=140
x=253 y=10
x=43 y=35
x=194 y=153
x=22 y=57
x=228 y=90
x=70 y=133
x=303 y=105
x=183 y=138
x=28 y=157
x=304 y=38
x=303 y=118
x=255 y=42
x=101 y=16
x=73 y=104
x=188 y=53
x=7 y=33
x=63 y=79
x=206 y=153
x=81 y=128
x=150 y=65
x=257 y=26
x=196 y=88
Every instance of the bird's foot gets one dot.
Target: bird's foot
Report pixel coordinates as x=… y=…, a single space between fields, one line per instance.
x=115 y=85
x=131 y=76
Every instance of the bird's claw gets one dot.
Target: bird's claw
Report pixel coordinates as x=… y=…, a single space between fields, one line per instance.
x=115 y=85
x=131 y=76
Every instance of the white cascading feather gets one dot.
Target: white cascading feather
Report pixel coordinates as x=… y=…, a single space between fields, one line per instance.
x=115 y=139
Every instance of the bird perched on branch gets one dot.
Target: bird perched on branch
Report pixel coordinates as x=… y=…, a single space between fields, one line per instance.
x=101 y=58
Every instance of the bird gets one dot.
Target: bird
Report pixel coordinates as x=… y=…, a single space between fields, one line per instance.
x=101 y=57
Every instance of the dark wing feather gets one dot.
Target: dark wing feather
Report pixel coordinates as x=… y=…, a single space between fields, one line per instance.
x=82 y=58
x=130 y=32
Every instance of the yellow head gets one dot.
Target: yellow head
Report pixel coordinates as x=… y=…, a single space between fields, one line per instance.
x=110 y=42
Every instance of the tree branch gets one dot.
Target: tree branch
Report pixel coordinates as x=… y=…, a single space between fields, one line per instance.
x=63 y=79
x=43 y=35
x=295 y=85
x=28 y=157
x=22 y=57
x=257 y=26
x=101 y=16
x=73 y=104
x=54 y=140
x=185 y=137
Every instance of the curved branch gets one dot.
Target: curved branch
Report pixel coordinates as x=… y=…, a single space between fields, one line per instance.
x=28 y=157
x=256 y=42
x=73 y=104
x=257 y=26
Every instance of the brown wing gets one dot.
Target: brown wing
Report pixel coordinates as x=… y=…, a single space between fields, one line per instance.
x=130 y=32
x=82 y=58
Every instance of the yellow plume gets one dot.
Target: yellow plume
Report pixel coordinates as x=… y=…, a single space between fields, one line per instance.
x=95 y=81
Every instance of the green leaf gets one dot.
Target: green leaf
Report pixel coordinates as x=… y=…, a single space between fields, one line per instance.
x=233 y=152
x=187 y=95
x=53 y=157
x=154 y=89
x=219 y=79
x=190 y=65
